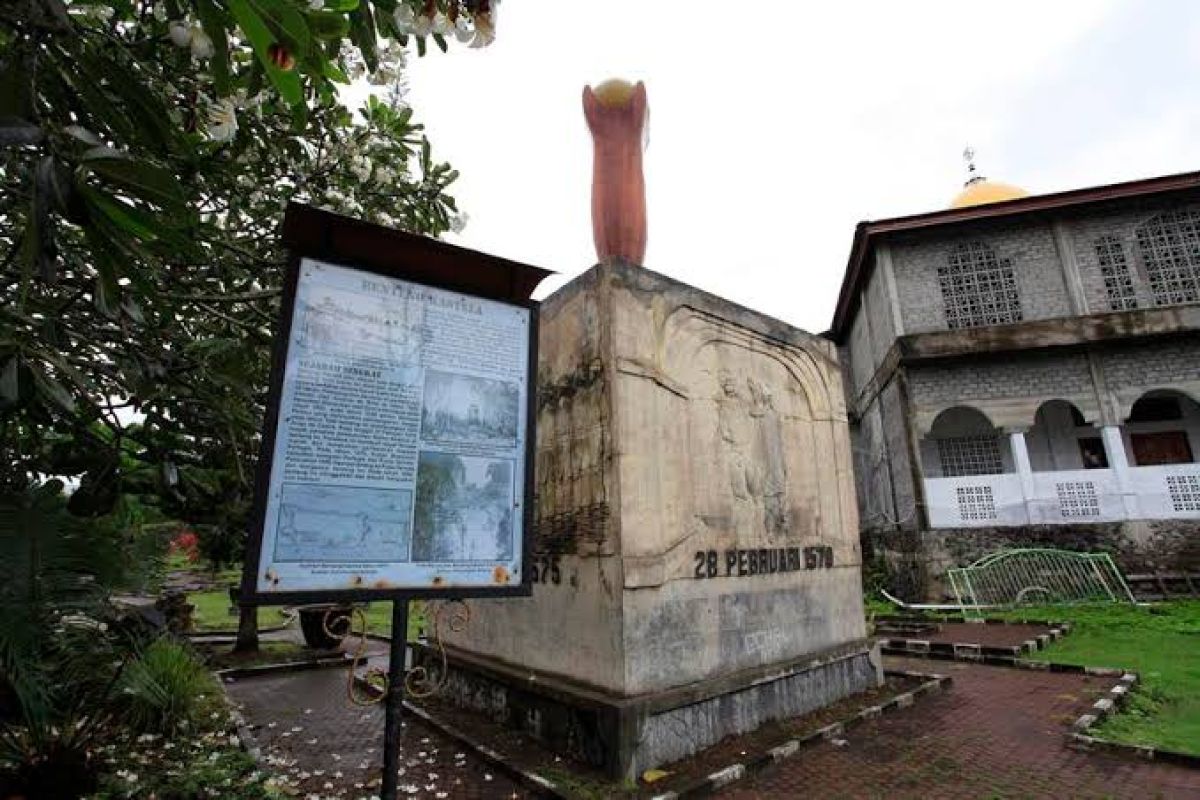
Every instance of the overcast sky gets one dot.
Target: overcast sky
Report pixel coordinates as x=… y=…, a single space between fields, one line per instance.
x=774 y=130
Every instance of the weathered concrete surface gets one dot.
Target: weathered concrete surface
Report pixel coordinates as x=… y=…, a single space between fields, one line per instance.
x=696 y=513
x=679 y=732
x=626 y=735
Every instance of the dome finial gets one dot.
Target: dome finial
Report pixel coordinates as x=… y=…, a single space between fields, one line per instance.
x=973 y=175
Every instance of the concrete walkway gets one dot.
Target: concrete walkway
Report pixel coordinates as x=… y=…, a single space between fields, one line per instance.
x=322 y=744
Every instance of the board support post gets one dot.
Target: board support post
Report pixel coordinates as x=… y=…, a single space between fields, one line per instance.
x=394 y=702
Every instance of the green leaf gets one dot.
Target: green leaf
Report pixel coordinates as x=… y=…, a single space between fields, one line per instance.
x=108 y=267
x=334 y=73
x=441 y=42
x=362 y=34
x=285 y=19
x=101 y=107
x=214 y=25
x=126 y=217
x=106 y=295
x=54 y=390
x=64 y=368
x=16 y=101
x=37 y=244
x=9 y=386
x=15 y=132
x=256 y=30
x=145 y=108
x=328 y=24
x=149 y=182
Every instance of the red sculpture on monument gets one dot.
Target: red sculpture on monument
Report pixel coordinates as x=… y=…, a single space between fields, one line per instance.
x=616 y=113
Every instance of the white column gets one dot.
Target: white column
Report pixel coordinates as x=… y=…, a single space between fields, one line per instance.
x=1118 y=462
x=1016 y=440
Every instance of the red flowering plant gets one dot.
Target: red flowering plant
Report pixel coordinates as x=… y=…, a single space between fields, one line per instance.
x=187 y=544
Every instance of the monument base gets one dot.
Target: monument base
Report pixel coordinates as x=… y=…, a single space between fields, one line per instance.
x=623 y=736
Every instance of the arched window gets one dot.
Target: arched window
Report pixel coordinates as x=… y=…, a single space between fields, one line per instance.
x=1118 y=281
x=1169 y=245
x=966 y=443
x=978 y=288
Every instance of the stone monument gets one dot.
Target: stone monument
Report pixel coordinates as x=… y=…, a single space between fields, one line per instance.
x=698 y=564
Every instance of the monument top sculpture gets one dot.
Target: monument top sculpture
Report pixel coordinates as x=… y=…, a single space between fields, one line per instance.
x=617 y=116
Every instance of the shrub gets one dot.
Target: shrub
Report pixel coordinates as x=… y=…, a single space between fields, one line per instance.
x=163 y=689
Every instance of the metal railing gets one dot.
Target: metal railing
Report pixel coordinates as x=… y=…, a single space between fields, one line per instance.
x=1029 y=576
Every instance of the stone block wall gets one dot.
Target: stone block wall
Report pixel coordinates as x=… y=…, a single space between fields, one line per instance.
x=1029 y=247
x=1131 y=370
x=1007 y=388
x=1083 y=233
x=917 y=561
x=694 y=488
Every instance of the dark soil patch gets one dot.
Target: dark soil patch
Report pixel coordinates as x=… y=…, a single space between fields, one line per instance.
x=981 y=634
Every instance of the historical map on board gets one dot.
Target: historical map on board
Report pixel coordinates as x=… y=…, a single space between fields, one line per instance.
x=399 y=451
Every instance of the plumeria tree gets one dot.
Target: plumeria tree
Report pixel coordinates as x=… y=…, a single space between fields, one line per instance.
x=147 y=151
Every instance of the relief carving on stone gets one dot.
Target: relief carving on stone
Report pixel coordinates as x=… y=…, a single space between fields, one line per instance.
x=752 y=435
x=761 y=423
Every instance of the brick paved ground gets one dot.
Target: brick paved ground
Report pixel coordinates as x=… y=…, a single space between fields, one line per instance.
x=326 y=746
x=997 y=733
x=976 y=633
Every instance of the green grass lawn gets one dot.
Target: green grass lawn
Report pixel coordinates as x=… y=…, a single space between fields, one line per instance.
x=379 y=619
x=1160 y=642
x=212 y=612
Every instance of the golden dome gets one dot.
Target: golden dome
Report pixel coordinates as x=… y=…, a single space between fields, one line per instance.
x=614 y=92
x=979 y=191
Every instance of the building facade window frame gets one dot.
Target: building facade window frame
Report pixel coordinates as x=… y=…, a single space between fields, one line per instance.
x=1115 y=271
x=970 y=455
x=1169 y=248
x=978 y=287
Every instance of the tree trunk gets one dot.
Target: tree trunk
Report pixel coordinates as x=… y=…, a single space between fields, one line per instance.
x=247 y=635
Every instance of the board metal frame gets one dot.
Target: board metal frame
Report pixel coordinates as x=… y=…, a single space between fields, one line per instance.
x=311 y=233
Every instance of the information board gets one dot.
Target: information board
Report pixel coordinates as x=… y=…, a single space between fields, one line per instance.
x=399 y=456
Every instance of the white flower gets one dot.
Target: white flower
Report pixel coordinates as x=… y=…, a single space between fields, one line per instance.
x=316 y=5
x=485 y=30
x=160 y=12
x=459 y=222
x=462 y=29
x=382 y=76
x=442 y=24
x=180 y=33
x=422 y=26
x=404 y=18
x=202 y=45
x=222 y=121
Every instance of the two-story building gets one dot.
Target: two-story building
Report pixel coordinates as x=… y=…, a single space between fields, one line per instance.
x=1025 y=370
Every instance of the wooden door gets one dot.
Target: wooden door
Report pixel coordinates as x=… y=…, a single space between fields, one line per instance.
x=1166 y=447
